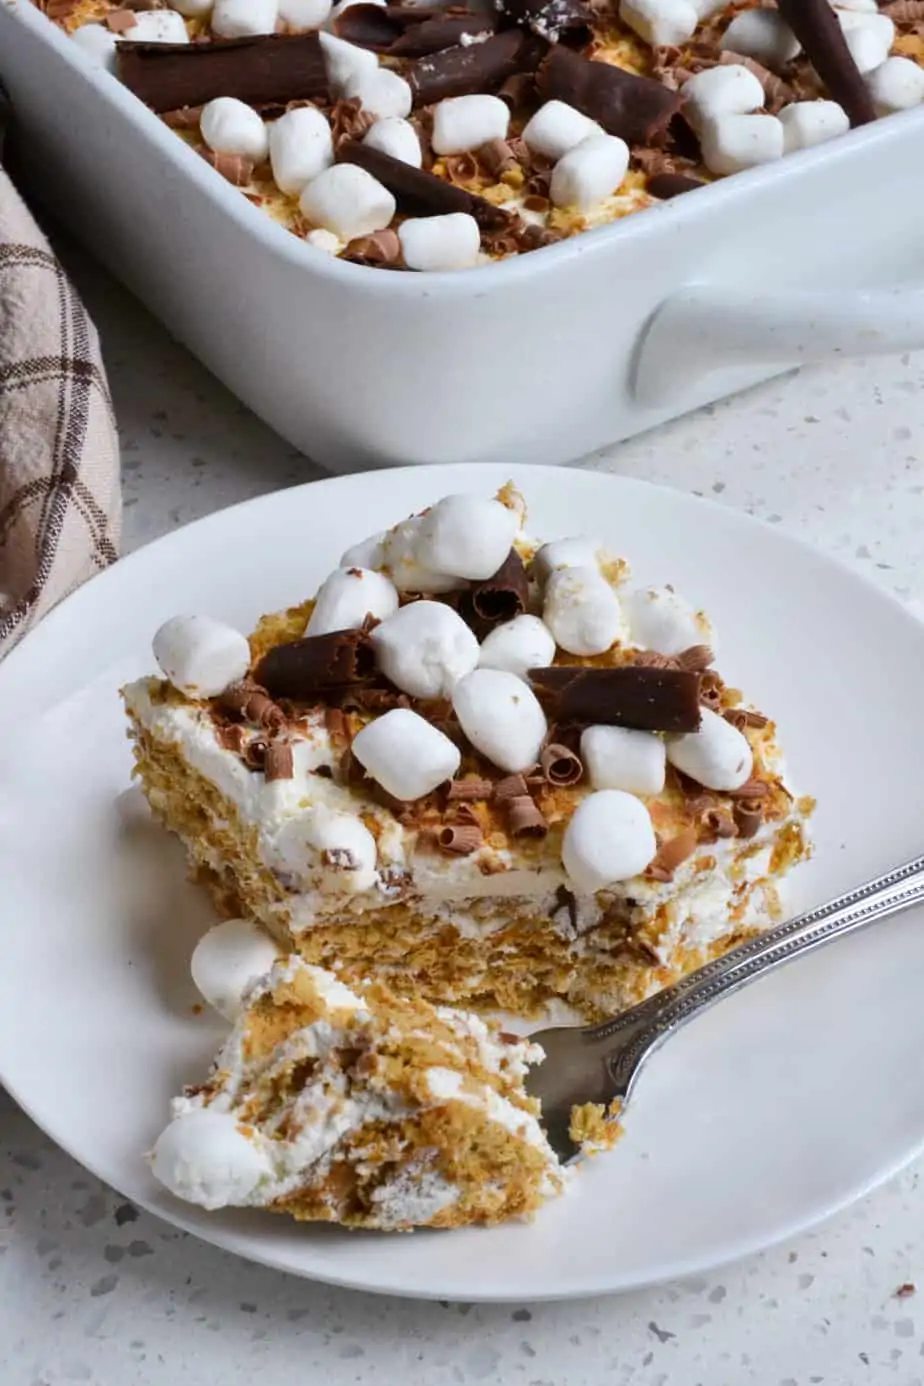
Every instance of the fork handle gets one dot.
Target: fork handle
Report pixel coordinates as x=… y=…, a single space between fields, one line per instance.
x=636 y=1034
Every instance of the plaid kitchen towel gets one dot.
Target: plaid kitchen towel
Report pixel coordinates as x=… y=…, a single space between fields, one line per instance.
x=60 y=505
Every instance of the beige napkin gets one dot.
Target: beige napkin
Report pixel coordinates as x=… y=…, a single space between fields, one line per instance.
x=60 y=505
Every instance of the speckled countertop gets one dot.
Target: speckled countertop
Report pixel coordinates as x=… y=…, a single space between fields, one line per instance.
x=93 y=1291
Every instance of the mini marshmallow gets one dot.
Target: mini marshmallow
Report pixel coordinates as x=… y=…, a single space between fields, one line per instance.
x=396 y=137
x=204 y=1157
x=347 y=200
x=869 y=37
x=98 y=43
x=230 y=126
x=733 y=143
x=406 y=754
x=719 y=91
x=228 y=960
x=574 y=552
x=346 y=847
x=557 y=127
x=448 y=242
x=325 y=241
x=660 y=22
x=609 y=839
x=300 y=148
x=193 y=9
x=461 y=123
x=400 y=559
x=896 y=84
x=717 y=756
x=519 y=645
x=368 y=553
x=501 y=717
x=582 y=611
x=241 y=18
x=466 y=536
x=382 y=92
x=425 y=648
x=621 y=758
x=303 y=15
x=763 y=35
x=343 y=61
x=589 y=172
x=807 y=123
x=199 y=656
x=348 y=596
x=661 y=620
x=158 y=26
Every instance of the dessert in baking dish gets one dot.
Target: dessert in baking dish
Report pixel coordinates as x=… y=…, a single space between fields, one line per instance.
x=425 y=138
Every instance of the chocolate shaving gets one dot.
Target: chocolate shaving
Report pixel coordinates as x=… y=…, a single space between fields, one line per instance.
x=381 y=249
x=476 y=67
x=718 y=822
x=335 y=724
x=459 y=839
x=121 y=21
x=518 y=91
x=254 y=753
x=264 y=70
x=497 y=158
x=750 y=790
x=668 y=185
x=560 y=765
x=525 y=818
x=549 y=19
x=461 y=168
x=904 y=11
x=232 y=738
x=348 y=120
x=649 y=699
x=748 y=816
x=186 y=118
x=565 y=899
x=711 y=689
x=512 y=787
x=498 y=598
x=742 y=717
x=817 y=28
x=676 y=850
x=695 y=657
x=278 y=763
x=304 y=669
x=471 y=788
x=653 y=659
x=637 y=109
x=237 y=169
x=418 y=193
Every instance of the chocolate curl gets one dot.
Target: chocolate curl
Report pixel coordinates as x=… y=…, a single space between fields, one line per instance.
x=470 y=789
x=459 y=839
x=186 y=118
x=270 y=69
x=512 y=787
x=419 y=193
x=550 y=19
x=525 y=818
x=477 y=67
x=254 y=754
x=254 y=705
x=817 y=28
x=668 y=185
x=637 y=109
x=696 y=658
x=718 y=822
x=498 y=598
x=748 y=816
x=560 y=765
x=648 y=699
x=675 y=851
x=742 y=717
x=120 y=21
x=236 y=168
x=278 y=762
x=304 y=669
x=711 y=689
x=751 y=790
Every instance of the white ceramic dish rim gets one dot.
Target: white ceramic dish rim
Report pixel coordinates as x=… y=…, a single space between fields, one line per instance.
x=473 y=282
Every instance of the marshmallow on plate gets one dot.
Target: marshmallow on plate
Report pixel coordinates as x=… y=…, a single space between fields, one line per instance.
x=347 y=200
x=896 y=84
x=227 y=960
x=466 y=536
x=519 y=645
x=763 y=35
x=582 y=611
x=204 y=1157
x=300 y=147
x=325 y=241
x=575 y=552
x=869 y=37
x=557 y=127
x=622 y=758
x=589 y=172
x=199 y=656
x=405 y=754
x=98 y=43
x=230 y=126
x=193 y=9
x=718 y=756
x=302 y=15
x=807 y=123
x=425 y=648
x=242 y=18
x=342 y=60
x=661 y=620
x=720 y=91
x=348 y=596
x=401 y=561
x=346 y=847
x=733 y=143
x=158 y=26
x=609 y=839
x=448 y=242
x=461 y=123
x=660 y=22
x=398 y=138
x=380 y=91
x=501 y=717
x=368 y=553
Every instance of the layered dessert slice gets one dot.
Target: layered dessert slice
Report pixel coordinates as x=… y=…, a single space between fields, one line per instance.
x=491 y=773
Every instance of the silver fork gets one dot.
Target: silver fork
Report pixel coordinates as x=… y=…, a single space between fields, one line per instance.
x=601 y=1063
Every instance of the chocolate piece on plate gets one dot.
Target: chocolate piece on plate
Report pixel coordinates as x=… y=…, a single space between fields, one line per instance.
x=278 y=763
x=664 y=700
x=409 y=31
x=818 y=29
x=422 y=194
x=270 y=69
x=668 y=185
x=475 y=67
x=304 y=669
x=549 y=19
x=637 y=109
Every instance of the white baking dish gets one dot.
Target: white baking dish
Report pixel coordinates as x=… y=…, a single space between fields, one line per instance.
x=538 y=359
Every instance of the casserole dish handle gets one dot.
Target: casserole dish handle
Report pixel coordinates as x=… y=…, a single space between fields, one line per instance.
x=705 y=329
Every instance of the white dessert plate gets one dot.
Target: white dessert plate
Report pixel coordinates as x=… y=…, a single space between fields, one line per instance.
x=767 y=1114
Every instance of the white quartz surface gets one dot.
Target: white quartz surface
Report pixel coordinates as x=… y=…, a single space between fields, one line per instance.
x=92 y=1291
